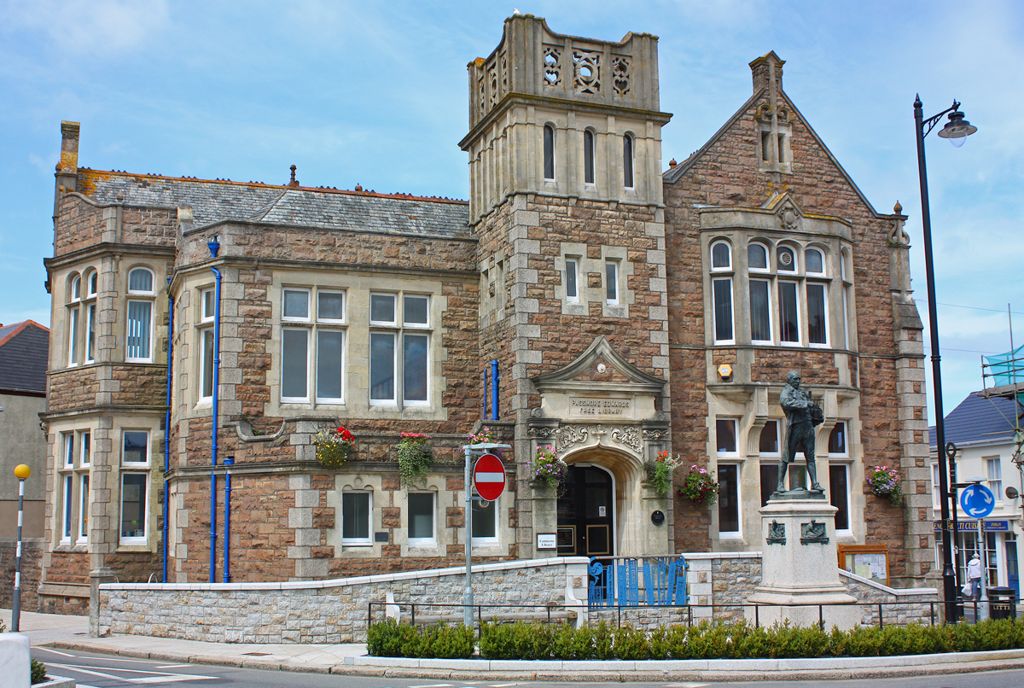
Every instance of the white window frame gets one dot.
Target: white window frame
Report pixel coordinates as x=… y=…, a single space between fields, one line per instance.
x=807 y=304
x=778 y=438
x=83 y=508
x=711 y=256
x=406 y=402
x=396 y=370
x=798 y=308
x=714 y=312
x=90 y=332
x=206 y=316
x=767 y=258
x=845 y=465
x=84 y=449
x=480 y=541
x=846 y=440
x=358 y=541
x=395 y=308
x=792 y=269
x=149 y=449
x=572 y=266
x=422 y=541
x=67 y=508
x=738 y=533
x=344 y=306
x=824 y=266
x=74 y=326
x=309 y=306
x=133 y=539
x=151 y=292
x=309 y=354
x=990 y=482
x=735 y=435
x=771 y=311
x=616 y=268
x=936 y=493
x=67 y=449
x=316 y=366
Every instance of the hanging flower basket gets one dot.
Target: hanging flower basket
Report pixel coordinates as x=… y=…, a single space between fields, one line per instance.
x=659 y=472
x=548 y=468
x=885 y=482
x=699 y=487
x=333 y=446
x=484 y=435
x=415 y=457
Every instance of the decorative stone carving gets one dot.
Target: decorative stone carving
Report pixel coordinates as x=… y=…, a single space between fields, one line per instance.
x=586 y=71
x=790 y=218
x=655 y=435
x=629 y=436
x=568 y=435
x=552 y=75
x=620 y=75
x=813 y=533
x=776 y=533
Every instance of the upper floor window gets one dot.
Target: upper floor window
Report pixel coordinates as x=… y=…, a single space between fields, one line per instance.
x=721 y=293
x=572 y=272
x=721 y=256
x=399 y=349
x=994 y=475
x=757 y=256
x=139 y=335
x=312 y=345
x=627 y=161
x=726 y=443
x=814 y=262
x=74 y=318
x=588 y=156
x=207 y=315
x=787 y=259
x=837 y=440
x=611 y=282
x=549 y=152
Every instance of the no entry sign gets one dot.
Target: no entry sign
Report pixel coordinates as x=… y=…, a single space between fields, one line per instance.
x=489 y=477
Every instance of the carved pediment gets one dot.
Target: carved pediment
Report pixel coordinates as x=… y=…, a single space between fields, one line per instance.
x=790 y=215
x=600 y=367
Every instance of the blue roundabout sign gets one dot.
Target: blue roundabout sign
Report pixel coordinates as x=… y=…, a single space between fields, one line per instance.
x=977 y=501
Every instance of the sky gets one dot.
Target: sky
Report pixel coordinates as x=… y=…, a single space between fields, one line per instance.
x=375 y=93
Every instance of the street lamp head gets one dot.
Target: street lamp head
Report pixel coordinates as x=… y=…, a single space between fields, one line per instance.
x=957 y=129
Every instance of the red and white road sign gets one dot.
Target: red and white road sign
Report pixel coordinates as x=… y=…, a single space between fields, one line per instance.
x=489 y=477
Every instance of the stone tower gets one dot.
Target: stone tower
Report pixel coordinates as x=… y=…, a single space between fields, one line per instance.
x=566 y=200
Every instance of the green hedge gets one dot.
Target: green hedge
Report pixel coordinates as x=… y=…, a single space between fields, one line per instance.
x=703 y=641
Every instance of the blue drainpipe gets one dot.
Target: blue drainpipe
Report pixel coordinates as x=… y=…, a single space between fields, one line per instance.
x=495 y=377
x=214 y=246
x=229 y=461
x=167 y=422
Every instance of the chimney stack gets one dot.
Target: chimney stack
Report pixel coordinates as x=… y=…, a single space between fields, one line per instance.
x=69 y=147
x=767 y=70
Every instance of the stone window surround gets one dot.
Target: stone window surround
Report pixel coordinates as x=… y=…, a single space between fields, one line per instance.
x=143 y=297
x=587 y=294
x=357 y=288
x=748 y=412
x=834 y=249
x=76 y=470
x=119 y=468
x=785 y=133
x=373 y=484
x=434 y=484
x=313 y=324
x=204 y=324
x=81 y=297
x=399 y=329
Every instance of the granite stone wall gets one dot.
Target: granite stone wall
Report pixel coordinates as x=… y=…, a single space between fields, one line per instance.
x=330 y=611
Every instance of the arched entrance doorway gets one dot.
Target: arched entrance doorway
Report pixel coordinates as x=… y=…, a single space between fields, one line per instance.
x=586 y=513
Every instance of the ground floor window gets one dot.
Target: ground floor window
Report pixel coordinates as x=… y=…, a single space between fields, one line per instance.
x=796 y=476
x=134 y=488
x=728 y=499
x=421 y=518
x=356 y=508
x=839 y=494
x=485 y=521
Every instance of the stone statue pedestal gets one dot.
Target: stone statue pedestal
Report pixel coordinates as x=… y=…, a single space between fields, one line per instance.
x=799 y=565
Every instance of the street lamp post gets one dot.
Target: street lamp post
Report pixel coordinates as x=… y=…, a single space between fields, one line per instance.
x=21 y=472
x=956 y=130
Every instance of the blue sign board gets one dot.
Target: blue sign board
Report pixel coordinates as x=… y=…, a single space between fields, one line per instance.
x=977 y=501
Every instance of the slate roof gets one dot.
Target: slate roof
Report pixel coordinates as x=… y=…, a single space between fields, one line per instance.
x=979 y=419
x=215 y=201
x=24 y=349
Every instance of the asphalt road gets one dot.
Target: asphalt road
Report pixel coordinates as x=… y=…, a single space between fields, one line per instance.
x=91 y=670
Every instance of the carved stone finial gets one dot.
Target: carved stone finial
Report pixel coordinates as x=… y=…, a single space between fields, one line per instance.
x=293 y=181
x=359 y=187
x=672 y=162
x=897 y=209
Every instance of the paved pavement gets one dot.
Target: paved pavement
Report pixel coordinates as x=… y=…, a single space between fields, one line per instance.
x=71 y=633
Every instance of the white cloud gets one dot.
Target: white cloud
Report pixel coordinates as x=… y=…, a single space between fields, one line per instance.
x=89 y=27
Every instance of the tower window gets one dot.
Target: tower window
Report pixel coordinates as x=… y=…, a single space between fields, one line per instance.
x=588 y=156
x=549 y=152
x=627 y=161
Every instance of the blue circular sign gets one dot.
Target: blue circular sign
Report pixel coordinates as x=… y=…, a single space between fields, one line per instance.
x=977 y=501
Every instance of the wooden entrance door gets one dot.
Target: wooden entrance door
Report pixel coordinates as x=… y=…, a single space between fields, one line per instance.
x=585 y=513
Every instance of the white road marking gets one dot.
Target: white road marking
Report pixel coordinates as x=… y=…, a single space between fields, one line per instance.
x=154 y=676
x=56 y=652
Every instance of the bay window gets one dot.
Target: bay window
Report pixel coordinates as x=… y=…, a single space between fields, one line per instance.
x=139 y=334
x=312 y=345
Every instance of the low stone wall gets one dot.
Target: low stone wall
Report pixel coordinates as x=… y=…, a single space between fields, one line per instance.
x=719 y=584
x=329 y=611
x=31 y=559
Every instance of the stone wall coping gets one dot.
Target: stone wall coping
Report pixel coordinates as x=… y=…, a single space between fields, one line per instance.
x=899 y=592
x=701 y=556
x=348 y=582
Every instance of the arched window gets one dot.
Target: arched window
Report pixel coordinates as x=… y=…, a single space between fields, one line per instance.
x=588 y=156
x=76 y=288
x=814 y=262
x=721 y=256
x=140 y=281
x=89 y=303
x=787 y=259
x=627 y=161
x=139 y=335
x=549 y=152
x=757 y=256
x=91 y=284
x=74 y=316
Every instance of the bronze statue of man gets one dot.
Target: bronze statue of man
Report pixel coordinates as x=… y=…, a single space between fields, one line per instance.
x=802 y=415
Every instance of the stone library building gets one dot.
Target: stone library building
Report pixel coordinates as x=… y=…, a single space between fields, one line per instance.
x=589 y=302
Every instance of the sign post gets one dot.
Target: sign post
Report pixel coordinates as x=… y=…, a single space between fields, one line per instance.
x=490 y=482
x=978 y=502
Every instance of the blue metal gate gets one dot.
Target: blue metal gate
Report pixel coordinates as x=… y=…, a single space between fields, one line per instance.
x=632 y=581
